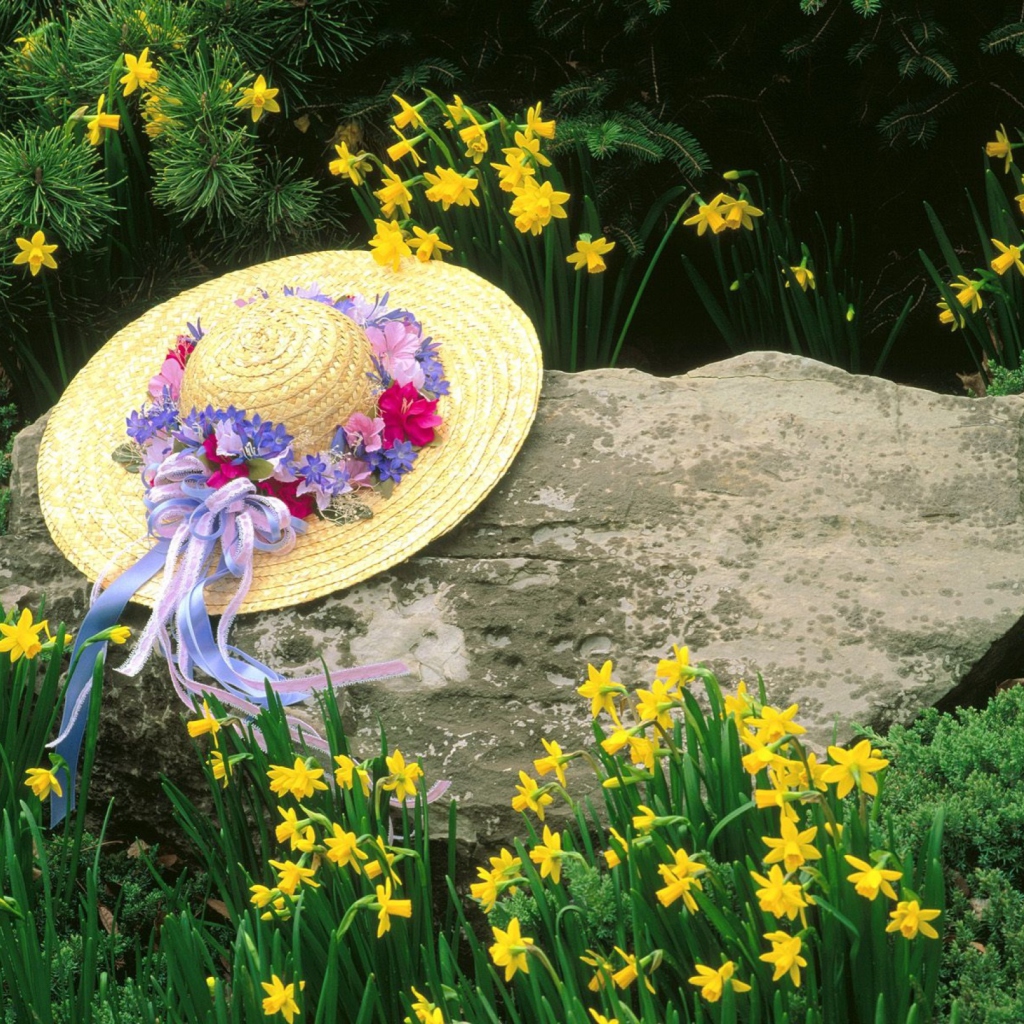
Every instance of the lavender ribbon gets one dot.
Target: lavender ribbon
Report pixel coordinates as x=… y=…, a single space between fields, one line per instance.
x=194 y=524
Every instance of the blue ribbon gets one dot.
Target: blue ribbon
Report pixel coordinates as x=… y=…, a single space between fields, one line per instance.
x=105 y=613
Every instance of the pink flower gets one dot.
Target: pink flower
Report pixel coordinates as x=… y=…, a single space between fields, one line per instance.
x=361 y=428
x=173 y=370
x=223 y=469
x=358 y=473
x=408 y=416
x=395 y=346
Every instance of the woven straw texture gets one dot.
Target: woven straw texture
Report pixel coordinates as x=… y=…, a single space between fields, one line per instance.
x=491 y=356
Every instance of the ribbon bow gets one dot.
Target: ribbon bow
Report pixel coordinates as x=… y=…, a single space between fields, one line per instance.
x=193 y=524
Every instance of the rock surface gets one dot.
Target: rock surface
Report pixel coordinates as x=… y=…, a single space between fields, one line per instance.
x=858 y=543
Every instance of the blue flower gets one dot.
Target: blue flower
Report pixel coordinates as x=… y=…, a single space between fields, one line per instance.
x=433 y=372
x=313 y=469
x=392 y=463
x=267 y=439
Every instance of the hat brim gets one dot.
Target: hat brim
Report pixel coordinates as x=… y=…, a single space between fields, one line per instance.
x=491 y=356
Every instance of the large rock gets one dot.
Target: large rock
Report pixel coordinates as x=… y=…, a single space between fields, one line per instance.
x=858 y=543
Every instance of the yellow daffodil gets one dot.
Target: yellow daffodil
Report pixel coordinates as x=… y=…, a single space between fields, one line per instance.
x=405 y=147
x=680 y=876
x=529 y=148
x=779 y=897
x=711 y=982
x=739 y=705
x=642 y=752
x=600 y=1018
x=505 y=869
x=42 y=782
x=409 y=116
x=510 y=949
x=373 y=868
x=617 y=850
x=589 y=254
x=291 y=875
x=386 y=906
x=738 y=213
x=967 y=293
x=675 y=670
x=220 y=767
x=259 y=99
x=772 y=725
x=653 y=705
x=1001 y=149
x=601 y=690
x=515 y=172
x=535 y=205
x=389 y=244
x=554 y=762
x=908 y=919
x=458 y=112
x=261 y=895
x=343 y=848
x=784 y=956
x=118 y=634
x=280 y=998
x=140 y=72
x=208 y=723
x=22 y=638
x=353 y=165
x=708 y=216
x=1010 y=258
x=530 y=797
x=97 y=124
x=425 y=1011
x=947 y=316
x=869 y=879
x=804 y=278
x=36 y=253
x=393 y=194
x=428 y=244
x=449 y=188
x=348 y=771
x=301 y=780
x=292 y=831
x=536 y=127
x=793 y=848
x=402 y=778
x=548 y=855
x=625 y=977
x=854 y=767
x=474 y=138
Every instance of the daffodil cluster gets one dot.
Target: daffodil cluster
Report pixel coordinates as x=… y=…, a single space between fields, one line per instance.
x=724 y=822
x=458 y=172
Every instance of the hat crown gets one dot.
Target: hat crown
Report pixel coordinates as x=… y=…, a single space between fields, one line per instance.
x=296 y=362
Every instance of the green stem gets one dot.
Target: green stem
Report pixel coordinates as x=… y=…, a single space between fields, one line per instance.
x=575 y=321
x=58 y=348
x=647 y=276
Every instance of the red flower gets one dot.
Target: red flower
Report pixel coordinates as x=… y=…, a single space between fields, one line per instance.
x=301 y=506
x=407 y=416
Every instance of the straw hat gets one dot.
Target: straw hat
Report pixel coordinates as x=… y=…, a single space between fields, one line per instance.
x=302 y=364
